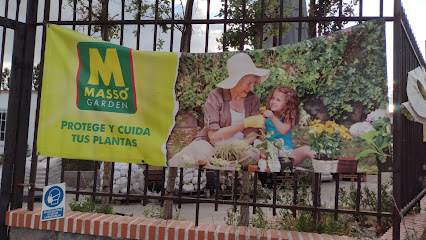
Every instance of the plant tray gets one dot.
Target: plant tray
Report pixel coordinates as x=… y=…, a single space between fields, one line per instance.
x=342 y=165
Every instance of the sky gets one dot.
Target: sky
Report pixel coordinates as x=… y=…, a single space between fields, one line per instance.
x=414 y=10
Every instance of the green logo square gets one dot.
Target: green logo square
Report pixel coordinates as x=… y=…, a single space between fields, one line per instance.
x=105 y=78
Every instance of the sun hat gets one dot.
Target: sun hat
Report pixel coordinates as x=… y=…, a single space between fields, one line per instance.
x=239 y=66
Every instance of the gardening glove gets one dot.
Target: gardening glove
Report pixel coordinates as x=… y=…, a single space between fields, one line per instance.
x=239 y=144
x=257 y=121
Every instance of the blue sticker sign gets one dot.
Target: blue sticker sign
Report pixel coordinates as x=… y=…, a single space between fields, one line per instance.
x=53 y=206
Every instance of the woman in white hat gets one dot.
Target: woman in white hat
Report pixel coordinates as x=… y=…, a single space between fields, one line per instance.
x=231 y=112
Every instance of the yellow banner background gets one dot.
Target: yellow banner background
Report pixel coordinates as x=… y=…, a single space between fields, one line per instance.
x=154 y=80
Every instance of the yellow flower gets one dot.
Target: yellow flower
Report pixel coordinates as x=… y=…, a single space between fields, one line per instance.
x=316 y=121
x=262 y=109
x=328 y=129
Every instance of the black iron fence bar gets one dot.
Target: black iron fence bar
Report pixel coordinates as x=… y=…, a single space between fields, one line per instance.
x=172 y=28
x=274 y=193
x=358 y=193
x=315 y=200
x=280 y=30
x=243 y=26
x=111 y=183
x=77 y=196
x=397 y=100
x=12 y=130
x=299 y=32
x=413 y=202
x=95 y=180
x=180 y=188
x=89 y=27
x=295 y=186
x=46 y=179
x=235 y=191
x=360 y=9
x=129 y=177
x=379 y=196
x=63 y=163
x=145 y=187
x=336 y=194
x=74 y=15
x=219 y=21
x=138 y=30
x=163 y=188
x=59 y=10
x=262 y=12
x=122 y=25
x=25 y=100
x=197 y=204
x=254 y=191
x=217 y=187
x=206 y=47
x=239 y=203
x=381 y=8
x=407 y=30
x=224 y=25
x=154 y=45
x=9 y=23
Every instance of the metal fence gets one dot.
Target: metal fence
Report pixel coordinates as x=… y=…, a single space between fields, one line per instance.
x=409 y=150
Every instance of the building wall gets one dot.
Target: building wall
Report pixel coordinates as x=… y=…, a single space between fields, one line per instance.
x=4 y=98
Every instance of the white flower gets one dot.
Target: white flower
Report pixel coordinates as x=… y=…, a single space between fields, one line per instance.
x=360 y=128
x=377 y=114
x=262 y=165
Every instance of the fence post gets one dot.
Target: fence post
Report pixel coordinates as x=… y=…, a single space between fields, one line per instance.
x=18 y=119
x=12 y=127
x=397 y=99
x=24 y=102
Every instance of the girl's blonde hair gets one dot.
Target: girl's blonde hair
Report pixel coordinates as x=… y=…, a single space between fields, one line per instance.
x=291 y=111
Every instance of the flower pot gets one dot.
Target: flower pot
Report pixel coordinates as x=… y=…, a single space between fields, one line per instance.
x=325 y=166
x=347 y=165
x=386 y=166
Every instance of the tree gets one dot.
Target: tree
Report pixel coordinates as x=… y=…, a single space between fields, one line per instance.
x=36 y=76
x=5 y=79
x=323 y=8
x=252 y=31
x=232 y=37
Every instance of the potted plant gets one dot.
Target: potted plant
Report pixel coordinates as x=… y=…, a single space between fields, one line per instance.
x=269 y=148
x=328 y=140
x=375 y=135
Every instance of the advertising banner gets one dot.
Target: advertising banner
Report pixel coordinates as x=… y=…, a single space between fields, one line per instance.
x=320 y=104
x=102 y=101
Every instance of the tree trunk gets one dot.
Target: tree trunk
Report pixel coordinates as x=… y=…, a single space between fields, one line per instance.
x=185 y=41
x=245 y=197
x=107 y=165
x=312 y=26
x=184 y=47
x=170 y=188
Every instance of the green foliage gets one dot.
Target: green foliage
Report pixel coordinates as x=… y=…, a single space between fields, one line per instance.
x=88 y=206
x=339 y=70
x=252 y=30
x=85 y=165
x=85 y=13
x=378 y=140
x=259 y=220
x=154 y=212
x=329 y=8
x=147 y=11
x=5 y=79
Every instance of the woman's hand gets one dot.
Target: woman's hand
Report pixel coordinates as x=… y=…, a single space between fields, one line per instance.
x=257 y=121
